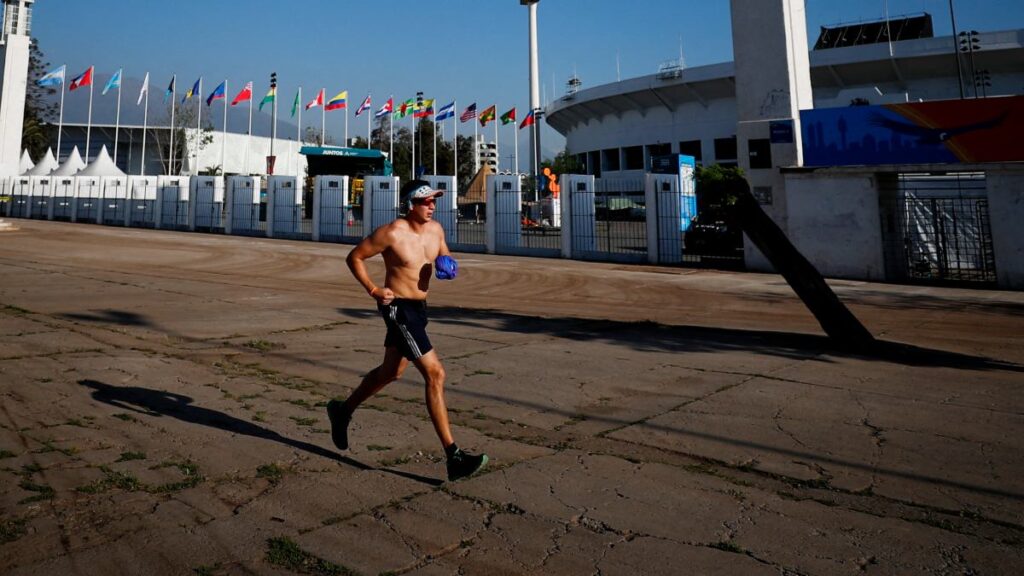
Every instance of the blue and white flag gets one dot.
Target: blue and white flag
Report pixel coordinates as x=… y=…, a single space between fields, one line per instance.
x=445 y=113
x=144 y=90
x=54 y=77
x=114 y=82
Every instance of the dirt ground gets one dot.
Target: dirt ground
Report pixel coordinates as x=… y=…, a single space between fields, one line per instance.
x=163 y=412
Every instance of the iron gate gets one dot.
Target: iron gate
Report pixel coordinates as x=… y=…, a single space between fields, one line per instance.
x=620 y=212
x=935 y=228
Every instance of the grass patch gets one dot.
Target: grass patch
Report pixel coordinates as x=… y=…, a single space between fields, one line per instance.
x=259 y=416
x=262 y=345
x=287 y=554
x=6 y=454
x=126 y=456
x=300 y=402
x=271 y=472
x=377 y=448
x=12 y=529
x=30 y=469
x=125 y=417
x=304 y=421
x=479 y=373
x=395 y=461
x=188 y=469
x=207 y=570
x=75 y=422
x=43 y=492
x=727 y=546
x=112 y=479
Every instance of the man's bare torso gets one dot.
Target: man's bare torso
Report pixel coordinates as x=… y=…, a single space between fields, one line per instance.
x=409 y=259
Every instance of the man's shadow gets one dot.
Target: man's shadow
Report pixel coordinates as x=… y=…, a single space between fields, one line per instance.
x=162 y=403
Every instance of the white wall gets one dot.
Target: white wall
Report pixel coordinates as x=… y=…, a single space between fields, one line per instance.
x=834 y=222
x=1006 y=213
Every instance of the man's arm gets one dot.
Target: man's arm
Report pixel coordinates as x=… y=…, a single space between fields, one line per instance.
x=370 y=246
x=444 y=245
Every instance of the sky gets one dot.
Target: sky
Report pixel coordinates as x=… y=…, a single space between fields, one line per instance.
x=463 y=50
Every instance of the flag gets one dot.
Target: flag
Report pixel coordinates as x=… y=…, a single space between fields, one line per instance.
x=244 y=95
x=144 y=90
x=405 y=108
x=295 y=104
x=528 y=121
x=218 y=93
x=82 y=80
x=54 y=77
x=114 y=82
x=509 y=116
x=469 y=113
x=386 y=108
x=271 y=95
x=318 y=101
x=339 y=101
x=170 y=89
x=487 y=115
x=193 y=91
x=426 y=108
x=364 y=106
x=445 y=112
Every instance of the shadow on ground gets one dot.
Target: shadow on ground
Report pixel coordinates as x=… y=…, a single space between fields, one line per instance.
x=161 y=403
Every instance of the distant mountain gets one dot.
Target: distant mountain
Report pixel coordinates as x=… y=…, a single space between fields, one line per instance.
x=104 y=108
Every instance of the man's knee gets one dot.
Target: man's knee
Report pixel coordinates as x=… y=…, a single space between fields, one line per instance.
x=435 y=376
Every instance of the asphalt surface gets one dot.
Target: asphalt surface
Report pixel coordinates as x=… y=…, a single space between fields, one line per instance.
x=163 y=412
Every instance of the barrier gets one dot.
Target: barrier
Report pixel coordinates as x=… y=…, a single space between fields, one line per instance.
x=664 y=219
x=88 y=196
x=284 y=209
x=142 y=206
x=42 y=198
x=113 y=207
x=21 y=193
x=243 y=206
x=381 y=199
x=446 y=210
x=578 y=227
x=62 y=198
x=206 y=206
x=172 y=200
x=332 y=215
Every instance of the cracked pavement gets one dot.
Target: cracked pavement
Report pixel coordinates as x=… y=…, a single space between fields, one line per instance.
x=163 y=412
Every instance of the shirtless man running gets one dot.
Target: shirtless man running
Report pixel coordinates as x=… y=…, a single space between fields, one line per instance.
x=411 y=246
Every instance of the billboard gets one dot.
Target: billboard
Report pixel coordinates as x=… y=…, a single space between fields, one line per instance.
x=940 y=132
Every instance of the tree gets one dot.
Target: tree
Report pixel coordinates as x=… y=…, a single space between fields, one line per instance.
x=185 y=138
x=40 y=114
x=312 y=135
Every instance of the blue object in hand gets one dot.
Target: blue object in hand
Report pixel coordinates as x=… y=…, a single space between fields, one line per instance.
x=446 y=268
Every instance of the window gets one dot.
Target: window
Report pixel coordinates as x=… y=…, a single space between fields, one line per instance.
x=725 y=149
x=691 y=148
x=633 y=157
x=610 y=159
x=759 y=151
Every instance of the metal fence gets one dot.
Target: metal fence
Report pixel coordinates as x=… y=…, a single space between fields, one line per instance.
x=620 y=220
x=935 y=228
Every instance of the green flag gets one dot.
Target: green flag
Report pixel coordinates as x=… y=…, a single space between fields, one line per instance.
x=271 y=94
x=295 y=105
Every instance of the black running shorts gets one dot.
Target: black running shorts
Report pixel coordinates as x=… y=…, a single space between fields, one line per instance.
x=407 y=327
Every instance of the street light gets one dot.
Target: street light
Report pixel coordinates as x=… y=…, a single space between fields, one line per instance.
x=969 y=43
x=982 y=80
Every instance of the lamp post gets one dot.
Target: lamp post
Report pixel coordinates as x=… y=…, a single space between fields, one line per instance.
x=982 y=80
x=956 y=53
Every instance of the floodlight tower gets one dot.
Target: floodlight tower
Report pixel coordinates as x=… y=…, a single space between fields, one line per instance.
x=14 y=48
x=534 y=96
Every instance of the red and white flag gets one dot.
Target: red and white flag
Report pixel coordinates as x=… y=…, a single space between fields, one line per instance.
x=318 y=101
x=82 y=80
x=244 y=95
x=387 y=108
x=364 y=106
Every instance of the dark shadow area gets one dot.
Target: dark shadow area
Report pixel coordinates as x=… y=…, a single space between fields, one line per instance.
x=654 y=337
x=160 y=403
x=119 y=317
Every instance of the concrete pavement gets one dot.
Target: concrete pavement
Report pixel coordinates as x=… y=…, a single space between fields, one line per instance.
x=163 y=393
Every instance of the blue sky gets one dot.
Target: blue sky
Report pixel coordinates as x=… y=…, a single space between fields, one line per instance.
x=468 y=50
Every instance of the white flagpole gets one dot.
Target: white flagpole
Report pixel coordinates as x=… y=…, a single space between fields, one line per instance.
x=345 y=144
x=323 y=118
x=391 y=133
x=298 y=110
x=369 y=112
x=199 y=120
x=413 y=177
x=224 y=132
x=60 y=121
x=145 y=124
x=476 y=145
x=248 y=139
x=117 y=121
x=435 y=146
x=174 y=102
x=88 y=126
x=497 y=153
x=455 y=140
x=515 y=132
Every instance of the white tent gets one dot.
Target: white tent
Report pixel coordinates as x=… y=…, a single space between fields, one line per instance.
x=72 y=165
x=102 y=166
x=46 y=165
x=26 y=163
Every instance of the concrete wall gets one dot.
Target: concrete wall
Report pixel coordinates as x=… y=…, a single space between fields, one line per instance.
x=834 y=221
x=1006 y=213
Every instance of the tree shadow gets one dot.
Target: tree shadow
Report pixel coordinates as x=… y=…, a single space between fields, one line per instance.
x=162 y=403
x=646 y=336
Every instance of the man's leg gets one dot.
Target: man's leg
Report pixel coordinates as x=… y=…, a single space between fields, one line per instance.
x=433 y=374
x=340 y=413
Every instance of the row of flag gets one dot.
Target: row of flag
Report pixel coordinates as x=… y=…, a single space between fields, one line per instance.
x=418 y=108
